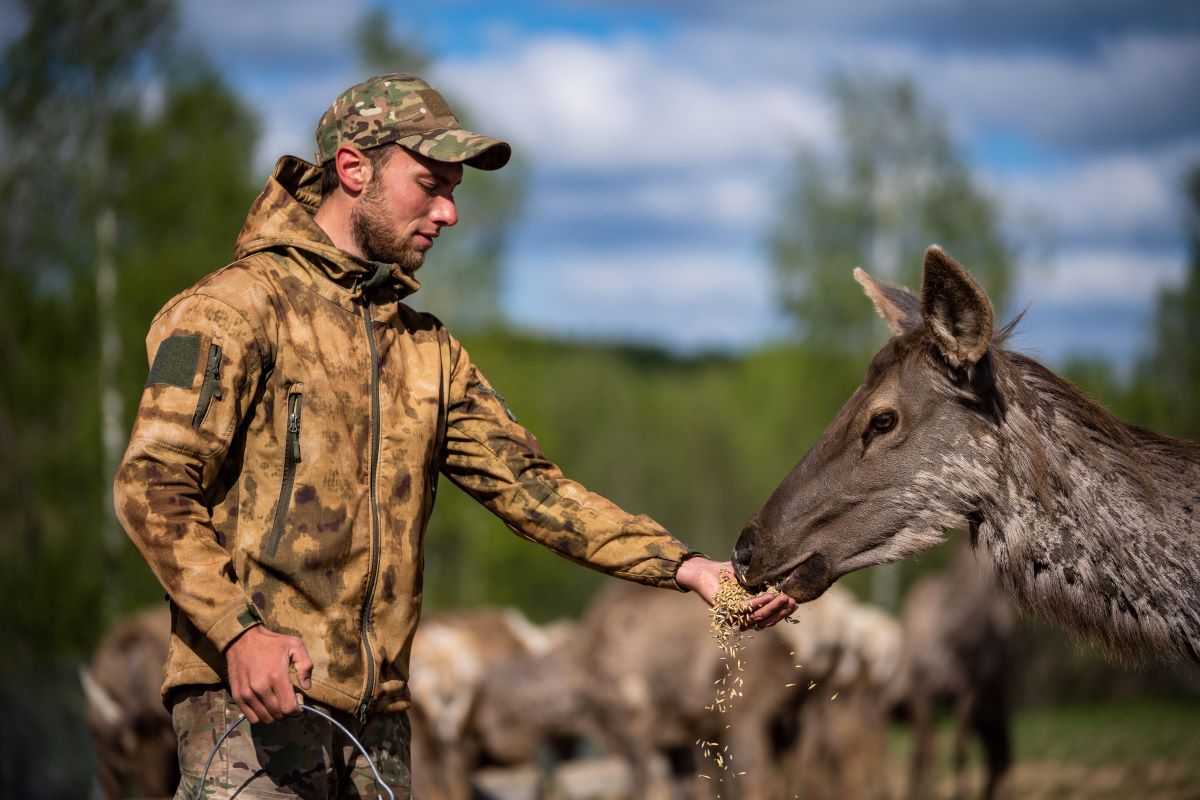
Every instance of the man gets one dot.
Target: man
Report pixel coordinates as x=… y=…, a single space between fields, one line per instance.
x=285 y=456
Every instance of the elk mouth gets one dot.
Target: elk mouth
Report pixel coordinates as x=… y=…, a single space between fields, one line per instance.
x=806 y=580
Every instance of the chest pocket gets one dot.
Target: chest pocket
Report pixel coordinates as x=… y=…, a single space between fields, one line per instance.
x=292 y=455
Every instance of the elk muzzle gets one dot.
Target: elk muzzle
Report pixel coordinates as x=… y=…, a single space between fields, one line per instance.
x=802 y=581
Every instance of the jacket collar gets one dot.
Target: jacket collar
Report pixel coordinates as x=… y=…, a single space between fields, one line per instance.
x=281 y=220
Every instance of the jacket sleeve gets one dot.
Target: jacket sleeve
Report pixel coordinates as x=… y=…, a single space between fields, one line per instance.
x=500 y=464
x=205 y=365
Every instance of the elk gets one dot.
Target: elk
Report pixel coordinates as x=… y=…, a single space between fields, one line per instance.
x=1087 y=520
x=853 y=653
x=130 y=728
x=531 y=709
x=652 y=668
x=960 y=638
x=452 y=655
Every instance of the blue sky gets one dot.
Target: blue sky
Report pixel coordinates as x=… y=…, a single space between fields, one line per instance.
x=656 y=132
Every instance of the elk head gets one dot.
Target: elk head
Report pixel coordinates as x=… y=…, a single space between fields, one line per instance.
x=911 y=453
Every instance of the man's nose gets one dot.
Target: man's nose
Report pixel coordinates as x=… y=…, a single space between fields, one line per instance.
x=445 y=212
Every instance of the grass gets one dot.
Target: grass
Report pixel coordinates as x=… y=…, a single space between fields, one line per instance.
x=1149 y=751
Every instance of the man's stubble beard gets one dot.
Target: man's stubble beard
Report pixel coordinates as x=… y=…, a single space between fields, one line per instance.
x=377 y=237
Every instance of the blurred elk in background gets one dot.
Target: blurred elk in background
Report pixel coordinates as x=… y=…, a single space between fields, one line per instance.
x=853 y=673
x=499 y=704
x=959 y=641
x=131 y=730
x=531 y=708
x=652 y=667
x=452 y=656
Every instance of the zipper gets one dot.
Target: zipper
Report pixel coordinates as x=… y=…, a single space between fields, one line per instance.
x=291 y=457
x=501 y=398
x=373 y=563
x=210 y=387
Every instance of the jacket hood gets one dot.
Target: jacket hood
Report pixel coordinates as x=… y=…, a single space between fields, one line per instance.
x=282 y=218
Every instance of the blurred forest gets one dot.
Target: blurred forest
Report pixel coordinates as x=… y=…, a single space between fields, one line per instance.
x=127 y=175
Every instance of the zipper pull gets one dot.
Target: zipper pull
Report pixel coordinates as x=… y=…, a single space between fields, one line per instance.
x=294 y=427
x=214 y=370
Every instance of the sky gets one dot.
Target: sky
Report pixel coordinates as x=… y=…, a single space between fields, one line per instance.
x=656 y=135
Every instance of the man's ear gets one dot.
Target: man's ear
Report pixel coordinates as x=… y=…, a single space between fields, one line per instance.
x=900 y=308
x=957 y=313
x=353 y=168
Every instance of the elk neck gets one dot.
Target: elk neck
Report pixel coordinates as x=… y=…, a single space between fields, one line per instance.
x=1092 y=522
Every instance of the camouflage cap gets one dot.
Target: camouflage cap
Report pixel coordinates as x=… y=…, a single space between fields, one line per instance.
x=406 y=110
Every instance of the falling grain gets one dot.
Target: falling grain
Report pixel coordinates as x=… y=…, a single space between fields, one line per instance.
x=730 y=616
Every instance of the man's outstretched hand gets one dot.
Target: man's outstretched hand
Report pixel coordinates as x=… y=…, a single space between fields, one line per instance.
x=260 y=677
x=703 y=576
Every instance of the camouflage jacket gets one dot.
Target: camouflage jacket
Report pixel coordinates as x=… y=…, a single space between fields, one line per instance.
x=285 y=457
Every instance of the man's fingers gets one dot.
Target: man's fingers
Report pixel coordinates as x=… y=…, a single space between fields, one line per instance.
x=757 y=603
x=249 y=713
x=285 y=698
x=260 y=674
x=249 y=703
x=773 y=611
x=302 y=663
x=753 y=604
x=264 y=693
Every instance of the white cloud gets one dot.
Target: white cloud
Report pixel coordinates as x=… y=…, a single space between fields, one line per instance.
x=273 y=34
x=582 y=104
x=686 y=298
x=725 y=201
x=690 y=129
x=1105 y=277
x=1132 y=89
x=1109 y=198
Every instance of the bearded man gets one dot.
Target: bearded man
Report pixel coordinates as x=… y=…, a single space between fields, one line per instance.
x=286 y=452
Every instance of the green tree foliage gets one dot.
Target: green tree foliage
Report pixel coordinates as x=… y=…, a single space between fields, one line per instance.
x=1167 y=380
x=897 y=185
x=99 y=110
x=697 y=444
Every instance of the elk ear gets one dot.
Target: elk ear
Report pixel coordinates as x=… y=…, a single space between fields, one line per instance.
x=900 y=308
x=957 y=313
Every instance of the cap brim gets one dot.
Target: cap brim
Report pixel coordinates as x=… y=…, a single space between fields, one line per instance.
x=459 y=146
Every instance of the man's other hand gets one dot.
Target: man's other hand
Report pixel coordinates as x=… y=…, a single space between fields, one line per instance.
x=703 y=576
x=260 y=678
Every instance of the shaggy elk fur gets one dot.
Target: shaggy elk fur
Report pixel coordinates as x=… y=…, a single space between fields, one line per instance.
x=1087 y=520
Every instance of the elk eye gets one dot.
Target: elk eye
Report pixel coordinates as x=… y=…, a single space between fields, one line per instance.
x=883 y=422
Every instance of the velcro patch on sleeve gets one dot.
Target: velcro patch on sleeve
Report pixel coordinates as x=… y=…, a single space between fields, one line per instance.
x=176 y=362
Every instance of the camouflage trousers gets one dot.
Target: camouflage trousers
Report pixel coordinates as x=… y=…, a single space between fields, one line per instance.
x=301 y=756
